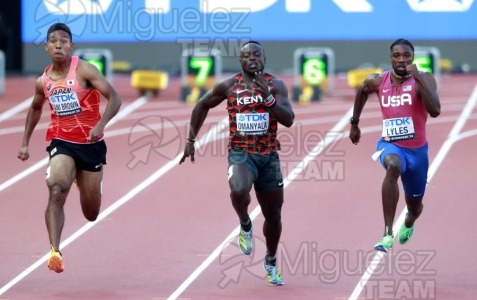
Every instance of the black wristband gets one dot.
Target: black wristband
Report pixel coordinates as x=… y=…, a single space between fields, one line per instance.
x=354 y=121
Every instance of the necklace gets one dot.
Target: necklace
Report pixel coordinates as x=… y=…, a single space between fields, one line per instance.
x=399 y=76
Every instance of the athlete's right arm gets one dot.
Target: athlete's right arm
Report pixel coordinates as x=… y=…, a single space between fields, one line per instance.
x=369 y=86
x=210 y=100
x=33 y=117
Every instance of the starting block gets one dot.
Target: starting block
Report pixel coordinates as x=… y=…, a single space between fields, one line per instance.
x=149 y=81
x=357 y=76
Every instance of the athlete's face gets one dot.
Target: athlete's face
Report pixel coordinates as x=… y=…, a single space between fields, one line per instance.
x=401 y=56
x=59 y=45
x=252 y=58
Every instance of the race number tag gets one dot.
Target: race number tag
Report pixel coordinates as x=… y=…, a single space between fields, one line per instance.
x=398 y=129
x=65 y=103
x=252 y=124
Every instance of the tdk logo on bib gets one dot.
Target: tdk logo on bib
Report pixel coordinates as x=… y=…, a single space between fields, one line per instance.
x=64 y=102
x=253 y=124
x=397 y=122
x=398 y=129
x=253 y=117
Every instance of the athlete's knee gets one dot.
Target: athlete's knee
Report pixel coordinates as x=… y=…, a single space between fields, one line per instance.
x=415 y=210
x=91 y=215
x=393 y=168
x=57 y=189
x=239 y=194
x=275 y=217
x=272 y=214
x=393 y=165
x=91 y=212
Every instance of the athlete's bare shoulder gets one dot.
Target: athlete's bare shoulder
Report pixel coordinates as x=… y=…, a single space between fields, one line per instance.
x=225 y=87
x=371 y=83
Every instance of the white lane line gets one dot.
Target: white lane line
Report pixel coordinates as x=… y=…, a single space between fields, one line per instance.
x=121 y=114
x=16 y=109
x=210 y=136
x=443 y=151
x=334 y=134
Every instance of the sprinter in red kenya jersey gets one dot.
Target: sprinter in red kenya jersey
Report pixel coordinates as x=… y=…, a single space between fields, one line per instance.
x=256 y=103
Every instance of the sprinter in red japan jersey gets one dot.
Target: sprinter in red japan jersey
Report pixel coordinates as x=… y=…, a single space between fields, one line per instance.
x=77 y=151
x=406 y=96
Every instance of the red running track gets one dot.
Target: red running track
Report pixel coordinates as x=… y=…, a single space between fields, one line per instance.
x=164 y=228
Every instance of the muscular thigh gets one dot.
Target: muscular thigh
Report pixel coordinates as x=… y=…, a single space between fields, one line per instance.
x=242 y=171
x=270 y=174
x=61 y=170
x=415 y=178
x=89 y=183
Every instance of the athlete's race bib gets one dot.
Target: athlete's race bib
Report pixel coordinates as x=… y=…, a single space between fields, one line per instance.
x=65 y=103
x=398 y=129
x=252 y=124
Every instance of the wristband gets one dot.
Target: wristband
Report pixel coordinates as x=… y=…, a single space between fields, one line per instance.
x=354 y=121
x=270 y=101
x=190 y=141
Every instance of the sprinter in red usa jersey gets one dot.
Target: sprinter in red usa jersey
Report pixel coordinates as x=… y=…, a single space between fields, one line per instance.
x=407 y=97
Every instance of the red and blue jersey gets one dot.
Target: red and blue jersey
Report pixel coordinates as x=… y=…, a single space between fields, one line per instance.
x=404 y=115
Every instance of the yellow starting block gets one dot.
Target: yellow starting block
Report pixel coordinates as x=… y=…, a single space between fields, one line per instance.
x=446 y=65
x=121 y=66
x=357 y=76
x=194 y=96
x=306 y=95
x=149 y=81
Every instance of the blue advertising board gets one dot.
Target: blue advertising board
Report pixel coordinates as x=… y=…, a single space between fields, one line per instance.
x=272 y=20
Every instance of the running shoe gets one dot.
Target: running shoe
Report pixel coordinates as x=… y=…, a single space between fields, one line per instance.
x=55 y=262
x=273 y=275
x=245 y=241
x=405 y=233
x=385 y=244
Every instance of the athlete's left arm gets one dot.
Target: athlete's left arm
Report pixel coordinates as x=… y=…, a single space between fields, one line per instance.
x=94 y=78
x=426 y=89
x=281 y=109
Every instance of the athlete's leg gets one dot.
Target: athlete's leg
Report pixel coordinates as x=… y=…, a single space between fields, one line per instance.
x=89 y=184
x=414 y=208
x=60 y=175
x=240 y=182
x=390 y=190
x=414 y=182
x=271 y=202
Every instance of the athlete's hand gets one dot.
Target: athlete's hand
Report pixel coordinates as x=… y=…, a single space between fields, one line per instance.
x=412 y=69
x=24 y=153
x=189 y=150
x=355 y=134
x=261 y=84
x=95 y=133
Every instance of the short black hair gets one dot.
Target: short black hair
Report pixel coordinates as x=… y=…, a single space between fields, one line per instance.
x=401 y=42
x=251 y=42
x=59 y=26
